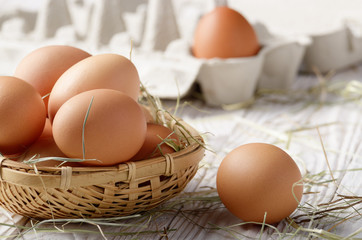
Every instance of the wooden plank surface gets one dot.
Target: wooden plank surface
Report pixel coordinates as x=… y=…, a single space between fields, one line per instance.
x=287 y=122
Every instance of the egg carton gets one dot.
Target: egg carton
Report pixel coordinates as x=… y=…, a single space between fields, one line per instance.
x=335 y=50
x=233 y=80
x=222 y=81
x=229 y=81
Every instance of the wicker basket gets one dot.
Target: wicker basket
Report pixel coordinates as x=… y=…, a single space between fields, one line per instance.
x=95 y=192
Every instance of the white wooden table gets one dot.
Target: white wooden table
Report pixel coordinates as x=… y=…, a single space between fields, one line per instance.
x=287 y=122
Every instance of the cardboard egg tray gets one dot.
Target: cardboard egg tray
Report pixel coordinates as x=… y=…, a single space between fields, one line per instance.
x=335 y=50
x=161 y=41
x=235 y=80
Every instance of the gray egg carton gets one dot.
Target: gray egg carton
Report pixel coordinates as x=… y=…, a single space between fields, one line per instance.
x=335 y=50
x=235 y=80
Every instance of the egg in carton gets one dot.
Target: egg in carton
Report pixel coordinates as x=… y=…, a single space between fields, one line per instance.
x=235 y=80
x=172 y=71
x=335 y=50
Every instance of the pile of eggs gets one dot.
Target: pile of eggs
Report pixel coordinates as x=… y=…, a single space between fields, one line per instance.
x=64 y=102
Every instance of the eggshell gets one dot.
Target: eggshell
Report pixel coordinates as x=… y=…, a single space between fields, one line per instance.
x=15 y=156
x=114 y=131
x=110 y=71
x=47 y=130
x=224 y=33
x=46 y=147
x=153 y=145
x=256 y=178
x=22 y=113
x=148 y=115
x=43 y=66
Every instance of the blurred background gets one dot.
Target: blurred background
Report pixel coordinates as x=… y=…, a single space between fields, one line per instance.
x=84 y=20
x=151 y=25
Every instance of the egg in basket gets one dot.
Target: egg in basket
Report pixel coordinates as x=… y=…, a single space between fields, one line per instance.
x=96 y=146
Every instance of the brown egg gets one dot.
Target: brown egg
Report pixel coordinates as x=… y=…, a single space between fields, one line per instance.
x=154 y=146
x=22 y=113
x=259 y=178
x=111 y=71
x=114 y=131
x=47 y=131
x=224 y=33
x=15 y=156
x=148 y=115
x=43 y=66
x=46 y=147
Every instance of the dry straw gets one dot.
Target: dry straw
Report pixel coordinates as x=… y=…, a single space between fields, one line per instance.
x=100 y=192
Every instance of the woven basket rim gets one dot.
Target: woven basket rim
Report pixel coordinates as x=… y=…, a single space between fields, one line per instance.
x=124 y=189
x=66 y=177
x=6 y=162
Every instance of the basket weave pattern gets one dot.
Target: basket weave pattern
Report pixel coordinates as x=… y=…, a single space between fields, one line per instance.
x=95 y=192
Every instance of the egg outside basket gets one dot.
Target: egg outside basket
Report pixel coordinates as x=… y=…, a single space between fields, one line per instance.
x=96 y=192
